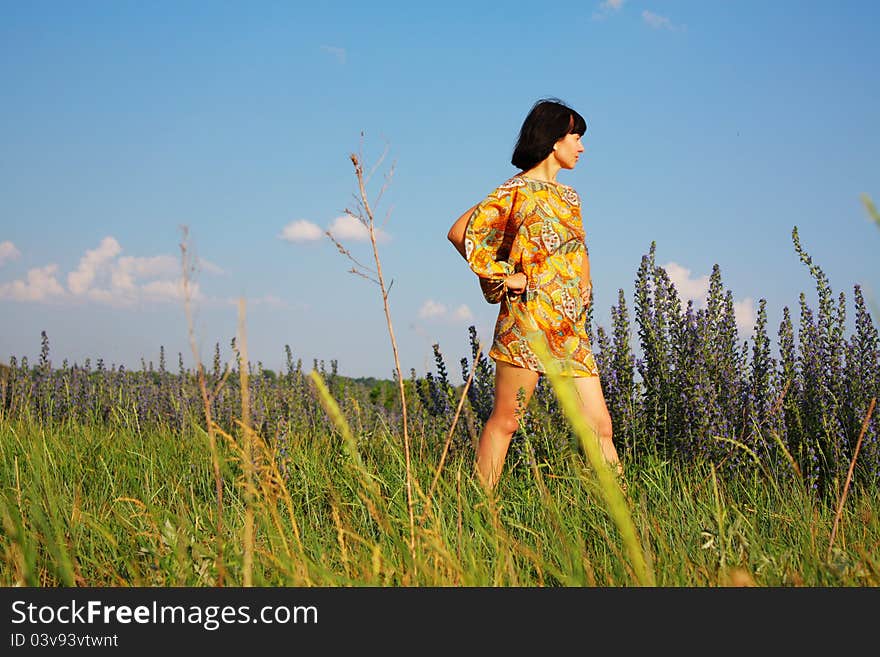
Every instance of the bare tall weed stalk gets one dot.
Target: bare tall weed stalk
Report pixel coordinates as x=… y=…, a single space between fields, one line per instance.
x=188 y=269
x=364 y=214
x=451 y=432
x=247 y=441
x=849 y=474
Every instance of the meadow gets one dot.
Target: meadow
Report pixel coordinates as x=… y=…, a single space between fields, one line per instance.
x=746 y=465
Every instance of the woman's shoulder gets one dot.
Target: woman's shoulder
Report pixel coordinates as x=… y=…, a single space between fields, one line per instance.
x=566 y=192
x=520 y=184
x=512 y=183
x=506 y=192
x=508 y=188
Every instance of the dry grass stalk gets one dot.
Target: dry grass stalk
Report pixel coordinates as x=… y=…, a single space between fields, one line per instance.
x=366 y=217
x=776 y=406
x=248 y=456
x=467 y=385
x=849 y=474
x=340 y=537
x=270 y=492
x=371 y=495
x=186 y=260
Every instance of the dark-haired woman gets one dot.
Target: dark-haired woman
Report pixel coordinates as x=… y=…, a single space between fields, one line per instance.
x=525 y=242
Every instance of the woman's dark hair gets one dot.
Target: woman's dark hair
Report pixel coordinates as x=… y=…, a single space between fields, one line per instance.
x=548 y=121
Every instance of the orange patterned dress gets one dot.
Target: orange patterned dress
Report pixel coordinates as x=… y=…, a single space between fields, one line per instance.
x=534 y=227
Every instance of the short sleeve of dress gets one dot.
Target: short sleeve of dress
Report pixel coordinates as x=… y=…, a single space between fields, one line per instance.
x=489 y=235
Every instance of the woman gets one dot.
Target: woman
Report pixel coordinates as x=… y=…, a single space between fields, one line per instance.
x=526 y=243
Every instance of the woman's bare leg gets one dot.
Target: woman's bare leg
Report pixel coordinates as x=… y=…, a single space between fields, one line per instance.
x=596 y=413
x=503 y=421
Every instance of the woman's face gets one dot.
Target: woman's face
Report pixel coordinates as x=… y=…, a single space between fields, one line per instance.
x=568 y=150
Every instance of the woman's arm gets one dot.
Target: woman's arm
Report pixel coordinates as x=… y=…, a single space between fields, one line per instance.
x=586 y=280
x=514 y=284
x=456 y=233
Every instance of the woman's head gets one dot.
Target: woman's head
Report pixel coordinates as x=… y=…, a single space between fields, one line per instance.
x=548 y=121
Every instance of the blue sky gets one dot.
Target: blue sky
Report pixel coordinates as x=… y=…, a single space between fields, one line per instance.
x=714 y=128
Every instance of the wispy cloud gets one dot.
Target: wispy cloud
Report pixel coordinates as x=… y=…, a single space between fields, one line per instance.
x=90 y=264
x=40 y=285
x=745 y=314
x=696 y=289
x=434 y=310
x=337 y=52
x=301 y=231
x=462 y=313
x=210 y=267
x=344 y=227
x=172 y=290
x=607 y=7
x=431 y=309
x=106 y=277
x=352 y=228
x=128 y=268
x=8 y=252
x=688 y=288
x=658 y=22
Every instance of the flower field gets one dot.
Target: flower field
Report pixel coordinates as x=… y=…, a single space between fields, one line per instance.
x=749 y=462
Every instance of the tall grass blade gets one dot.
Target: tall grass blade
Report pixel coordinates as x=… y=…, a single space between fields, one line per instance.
x=608 y=483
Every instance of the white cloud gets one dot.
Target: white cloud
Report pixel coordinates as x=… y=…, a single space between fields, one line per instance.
x=103 y=277
x=208 y=266
x=745 y=314
x=607 y=7
x=696 y=289
x=124 y=271
x=153 y=266
x=337 y=52
x=40 y=285
x=107 y=297
x=431 y=309
x=350 y=227
x=688 y=288
x=91 y=264
x=170 y=291
x=301 y=231
x=437 y=311
x=462 y=313
x=8 y=251
x=658 y=22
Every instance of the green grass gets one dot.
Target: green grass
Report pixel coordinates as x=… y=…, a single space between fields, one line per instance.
x=120 y=506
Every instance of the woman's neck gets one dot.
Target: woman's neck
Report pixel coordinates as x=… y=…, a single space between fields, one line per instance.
x=545 y=171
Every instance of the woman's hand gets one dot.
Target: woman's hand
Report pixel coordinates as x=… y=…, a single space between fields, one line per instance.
x=516 y=283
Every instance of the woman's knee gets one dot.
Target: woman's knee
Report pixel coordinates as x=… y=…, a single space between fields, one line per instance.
x=504 y=423
x=605 y=430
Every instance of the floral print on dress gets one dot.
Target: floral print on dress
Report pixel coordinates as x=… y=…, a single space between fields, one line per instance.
x=534 y=227
x=514 y=182
x=569 y=306
x=549 y=237
x=570 y=196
